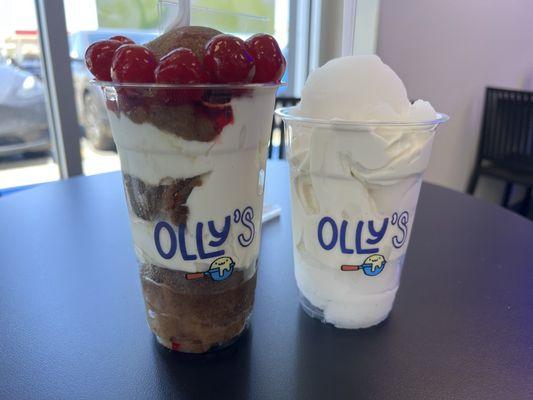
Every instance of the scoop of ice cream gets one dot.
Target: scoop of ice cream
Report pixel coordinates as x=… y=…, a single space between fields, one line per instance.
x=360 y=88
x=190 y=37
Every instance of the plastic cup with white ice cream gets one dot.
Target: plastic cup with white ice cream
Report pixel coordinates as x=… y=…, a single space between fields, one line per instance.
x=193 y=148
x=357 y=149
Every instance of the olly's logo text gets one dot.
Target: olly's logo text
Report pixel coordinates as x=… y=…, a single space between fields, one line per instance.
x=209 y=237
x=366 y=235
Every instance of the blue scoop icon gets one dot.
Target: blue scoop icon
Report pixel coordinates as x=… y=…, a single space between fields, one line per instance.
x=372 y=266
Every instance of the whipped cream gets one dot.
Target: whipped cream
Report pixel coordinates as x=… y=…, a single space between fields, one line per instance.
x=227 y=206
x=354 y=187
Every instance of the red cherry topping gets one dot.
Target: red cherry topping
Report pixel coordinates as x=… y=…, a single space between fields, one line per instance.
x=269 y=61
x=220 y=115
x=227 y=61
x=99 y=57
x=133 y=63
x=176 y=346
x=122 y=39
x=180 y=66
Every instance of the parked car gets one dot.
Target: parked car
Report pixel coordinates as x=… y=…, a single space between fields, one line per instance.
x=24 y=127
x=30 y=63
x=90 y=101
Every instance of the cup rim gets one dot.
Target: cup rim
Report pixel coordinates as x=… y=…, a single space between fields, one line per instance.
x=287 y=114
x=107 y=84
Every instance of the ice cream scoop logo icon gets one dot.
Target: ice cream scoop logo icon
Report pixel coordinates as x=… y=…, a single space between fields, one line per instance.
x=372 y=266
x=219 y=270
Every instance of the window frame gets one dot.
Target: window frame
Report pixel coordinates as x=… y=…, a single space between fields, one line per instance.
x=59 y=90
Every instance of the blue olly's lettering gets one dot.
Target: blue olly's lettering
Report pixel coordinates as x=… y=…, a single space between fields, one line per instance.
x=200 y=241
x=247 y=219
x=366 y=236
x=329 y=235
x=157 y=234
x=401 y=221
x=209 y=237
x=334 y=233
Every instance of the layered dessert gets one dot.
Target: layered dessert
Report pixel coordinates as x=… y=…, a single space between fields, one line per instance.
x=191 y=114
x=358 y=149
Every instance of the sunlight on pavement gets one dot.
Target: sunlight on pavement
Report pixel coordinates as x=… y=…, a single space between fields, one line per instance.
x=96 y=161
x=28 y=171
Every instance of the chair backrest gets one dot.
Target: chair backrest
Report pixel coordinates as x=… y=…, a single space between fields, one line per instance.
x=277 y=135
x=507 y=129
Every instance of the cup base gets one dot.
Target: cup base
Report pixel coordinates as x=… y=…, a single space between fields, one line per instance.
x=311 y=310
x=364 y=320
x=214 y=349
x=196 y=316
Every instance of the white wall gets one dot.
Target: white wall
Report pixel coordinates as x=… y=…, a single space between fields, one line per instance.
x=448 y=52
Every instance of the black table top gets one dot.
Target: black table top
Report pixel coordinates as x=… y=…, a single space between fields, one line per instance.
x=72 y=323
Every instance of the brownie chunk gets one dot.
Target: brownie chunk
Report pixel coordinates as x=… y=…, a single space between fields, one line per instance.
x=164 y=201
x=199 y=122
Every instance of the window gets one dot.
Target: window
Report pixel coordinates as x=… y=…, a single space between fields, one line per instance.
x=84 y=27
x=26 y=151
x=244 y=18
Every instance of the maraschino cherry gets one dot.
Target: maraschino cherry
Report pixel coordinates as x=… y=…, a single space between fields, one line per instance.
x=133 y=63
x=99 y=57
x=269 y=61
x=227 y=60
x=180 y=66
x=122 y=39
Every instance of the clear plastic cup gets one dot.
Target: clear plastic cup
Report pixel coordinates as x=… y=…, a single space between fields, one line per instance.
x=354 y=189
x=193 y=163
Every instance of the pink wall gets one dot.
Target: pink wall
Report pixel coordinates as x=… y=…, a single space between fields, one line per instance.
x=448 y=52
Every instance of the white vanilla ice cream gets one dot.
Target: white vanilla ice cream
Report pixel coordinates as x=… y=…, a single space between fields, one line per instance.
x=232 y=167
x=354 y=187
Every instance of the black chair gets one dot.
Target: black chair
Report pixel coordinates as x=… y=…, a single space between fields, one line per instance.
x=277 y=127
x=505 y=148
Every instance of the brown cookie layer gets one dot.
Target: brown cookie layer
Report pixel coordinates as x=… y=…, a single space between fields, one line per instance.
x=189 y=121
x=164 y=201
x=196 y=316
x=201 y=121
